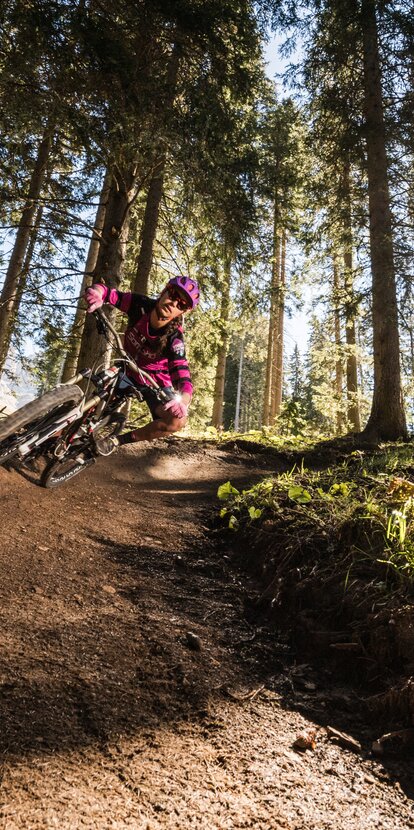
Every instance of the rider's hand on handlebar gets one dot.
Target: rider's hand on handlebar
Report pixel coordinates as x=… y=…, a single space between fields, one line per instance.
x=177 y=408
x=94 y=296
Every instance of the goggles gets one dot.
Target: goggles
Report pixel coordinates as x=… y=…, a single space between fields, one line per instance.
x=178 y=299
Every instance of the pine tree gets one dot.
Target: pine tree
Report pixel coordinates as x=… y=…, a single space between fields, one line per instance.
x=344 y=69
x=387 y=418
x=281 y=176
x=295 y=378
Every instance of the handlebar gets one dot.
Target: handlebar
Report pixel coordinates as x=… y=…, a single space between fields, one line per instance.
x=104 y=325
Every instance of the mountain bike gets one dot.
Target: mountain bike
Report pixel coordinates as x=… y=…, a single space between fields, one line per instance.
x=61 y=427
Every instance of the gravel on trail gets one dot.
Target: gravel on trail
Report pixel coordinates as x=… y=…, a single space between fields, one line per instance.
x=135 y=693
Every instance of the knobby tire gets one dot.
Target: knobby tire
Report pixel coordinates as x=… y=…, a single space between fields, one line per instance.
x=31 y=413
x=58 y=472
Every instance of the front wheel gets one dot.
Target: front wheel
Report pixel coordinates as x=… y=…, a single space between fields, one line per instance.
x=17 y=428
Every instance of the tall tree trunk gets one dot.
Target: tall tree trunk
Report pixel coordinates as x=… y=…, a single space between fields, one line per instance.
x=239 y=388
x=71 y=360
x=156 y=187
x=247 y=413
x=9 y=294
x=111 y=256
x=267 y=397
x=269 y=359
x=350 y=326
x=275 y=329
x=24 y=273
x=149 y=228
x=387 y=418
x=217 y=416
x=277 y=380
x=339 y=372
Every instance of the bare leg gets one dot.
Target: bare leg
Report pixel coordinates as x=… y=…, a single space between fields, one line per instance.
x=165 y=425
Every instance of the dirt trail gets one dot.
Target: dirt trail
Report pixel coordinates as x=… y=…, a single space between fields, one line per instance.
x=114 y=714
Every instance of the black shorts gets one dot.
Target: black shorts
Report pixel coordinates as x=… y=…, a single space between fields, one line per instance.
x=151 y=399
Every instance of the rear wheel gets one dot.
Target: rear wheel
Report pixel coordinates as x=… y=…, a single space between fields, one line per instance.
x=17 y=428
x=60 y=471
x=57 y=472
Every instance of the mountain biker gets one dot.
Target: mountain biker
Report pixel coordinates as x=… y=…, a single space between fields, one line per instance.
x=154 y=339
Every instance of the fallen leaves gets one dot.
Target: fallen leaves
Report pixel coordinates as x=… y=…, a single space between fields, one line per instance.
x=306 y=740
x=401 y=488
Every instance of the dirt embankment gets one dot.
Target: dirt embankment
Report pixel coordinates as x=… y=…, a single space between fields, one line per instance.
x=135 y=692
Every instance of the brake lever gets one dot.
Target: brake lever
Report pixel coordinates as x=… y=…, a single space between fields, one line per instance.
x=165 y=397
x=100 y=323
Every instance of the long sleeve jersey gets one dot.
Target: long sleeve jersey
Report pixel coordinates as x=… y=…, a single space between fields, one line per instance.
x=168 y=368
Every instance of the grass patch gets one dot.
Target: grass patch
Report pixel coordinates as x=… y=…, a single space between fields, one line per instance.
x=265 y=437
x=333 y=550
x=354 y=519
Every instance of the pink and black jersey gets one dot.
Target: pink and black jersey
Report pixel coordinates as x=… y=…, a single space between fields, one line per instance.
x=169 y=367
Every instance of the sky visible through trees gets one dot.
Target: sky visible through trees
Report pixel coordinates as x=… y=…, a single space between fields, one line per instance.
x=296 y=327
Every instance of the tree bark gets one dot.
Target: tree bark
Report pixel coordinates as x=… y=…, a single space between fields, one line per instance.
x=156 y=187
x=267 y=398
x=350 y=325
x=217 y=416
x=71 y=360
x=277 y=380
x=387 y=418
x=149 y=228
x=339 y=372
x=239 y=388
x=10 y=294
x=110 y=260
x=22 y=282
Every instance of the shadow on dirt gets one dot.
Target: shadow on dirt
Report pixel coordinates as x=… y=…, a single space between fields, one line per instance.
x=121 y=662
x=149 y=458
x=340 y=707
x=110 y=655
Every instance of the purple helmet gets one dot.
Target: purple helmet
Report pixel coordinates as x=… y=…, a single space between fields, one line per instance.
x=190 y=288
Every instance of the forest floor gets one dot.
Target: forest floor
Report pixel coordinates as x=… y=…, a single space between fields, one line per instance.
x=134 y=690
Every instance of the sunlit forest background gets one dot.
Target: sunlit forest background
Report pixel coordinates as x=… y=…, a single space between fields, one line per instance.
x=141 y=140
